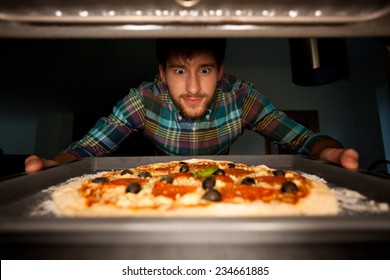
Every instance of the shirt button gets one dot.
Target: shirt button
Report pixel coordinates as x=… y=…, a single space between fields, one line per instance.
x=180 y=117
x=194 y=128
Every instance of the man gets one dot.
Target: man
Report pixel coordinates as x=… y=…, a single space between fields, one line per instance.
x=193 y=108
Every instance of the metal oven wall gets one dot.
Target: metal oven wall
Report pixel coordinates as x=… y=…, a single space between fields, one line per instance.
x=157 y=18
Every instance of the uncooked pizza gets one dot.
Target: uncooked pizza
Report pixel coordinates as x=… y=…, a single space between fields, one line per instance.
x=196 y=188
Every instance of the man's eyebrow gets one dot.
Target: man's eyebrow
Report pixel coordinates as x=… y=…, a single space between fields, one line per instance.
x=208 y=65
x=176 y=66
x=183 y=66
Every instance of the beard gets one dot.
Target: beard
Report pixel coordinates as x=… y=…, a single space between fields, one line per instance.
x=193 y=110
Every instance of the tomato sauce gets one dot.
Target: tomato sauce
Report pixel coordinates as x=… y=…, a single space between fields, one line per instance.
x=94 y=195
x=165 y=170
x=182 y=175
x=238 y=172
x=123 y=182
x=251 y=193
x=224 y=178
x=170 y=190
x=271 y=180
x=91 y=195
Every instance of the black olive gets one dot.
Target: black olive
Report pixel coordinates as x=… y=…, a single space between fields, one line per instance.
x=208 y=182
x=248 y=181
x=144 y=174
x=126 y=171
x=212 y=195
x=219 y=172
x=167 y=178
x=134 y=187
x=182 y=162
x=100 y=180
x=279 y=173
x=289 y=187
x=184 y=168
x=231 y=165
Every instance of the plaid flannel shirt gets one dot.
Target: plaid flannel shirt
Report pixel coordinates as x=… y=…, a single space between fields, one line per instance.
x=237 y=106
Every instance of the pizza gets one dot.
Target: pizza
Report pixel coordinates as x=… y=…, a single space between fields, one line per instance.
x=195 y=188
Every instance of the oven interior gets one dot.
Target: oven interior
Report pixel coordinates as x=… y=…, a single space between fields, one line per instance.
x=64 y=64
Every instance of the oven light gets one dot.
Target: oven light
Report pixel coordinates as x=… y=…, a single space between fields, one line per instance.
x=132 y=27
x=183 y=13
x=194 y=13
x=187 y=3
x=268 y=13
x=318 y=13
x=109 y=13
x=219 y=13
x=58 y=13
x=293 y=13
x=245 y=27
x=158 y=13
x=238 y=12
x=83 y=13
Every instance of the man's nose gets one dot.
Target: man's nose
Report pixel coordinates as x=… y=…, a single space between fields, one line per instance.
x=193 y=84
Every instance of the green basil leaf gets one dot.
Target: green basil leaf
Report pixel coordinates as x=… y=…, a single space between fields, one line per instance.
x=208 y=171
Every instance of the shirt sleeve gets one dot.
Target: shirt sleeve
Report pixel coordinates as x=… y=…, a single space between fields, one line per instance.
x=127 y=117
x=262 y=117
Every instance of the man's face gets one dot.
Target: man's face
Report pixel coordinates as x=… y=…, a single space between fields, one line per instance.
x=192 y=82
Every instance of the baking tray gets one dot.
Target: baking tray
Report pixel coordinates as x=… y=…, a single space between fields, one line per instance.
x=350 y=235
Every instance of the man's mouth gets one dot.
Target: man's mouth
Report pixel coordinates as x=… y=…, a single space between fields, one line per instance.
x=192 y=100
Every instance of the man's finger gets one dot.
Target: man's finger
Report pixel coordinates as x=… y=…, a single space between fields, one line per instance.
x=350 y=159
x=34 y=163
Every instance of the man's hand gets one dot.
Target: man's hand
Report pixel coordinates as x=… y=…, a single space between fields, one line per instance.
x=34 y=163
x=347 y=158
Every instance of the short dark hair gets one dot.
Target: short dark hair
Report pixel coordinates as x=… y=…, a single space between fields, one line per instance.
x=188 y=47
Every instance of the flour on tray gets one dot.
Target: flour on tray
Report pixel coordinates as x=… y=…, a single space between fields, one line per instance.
x=352 y=202
x=47 y=207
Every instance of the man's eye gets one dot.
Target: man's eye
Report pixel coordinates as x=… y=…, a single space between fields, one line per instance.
x=179 y=71
x=205 y=70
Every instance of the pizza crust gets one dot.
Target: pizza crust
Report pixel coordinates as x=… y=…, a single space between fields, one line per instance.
x=69 y=202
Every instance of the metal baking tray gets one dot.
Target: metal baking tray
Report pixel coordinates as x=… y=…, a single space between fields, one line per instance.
x=361 y=235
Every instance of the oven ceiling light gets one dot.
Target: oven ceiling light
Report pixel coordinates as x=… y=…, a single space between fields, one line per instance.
x=187 y=3
x=83 y=13
x=324 y=17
